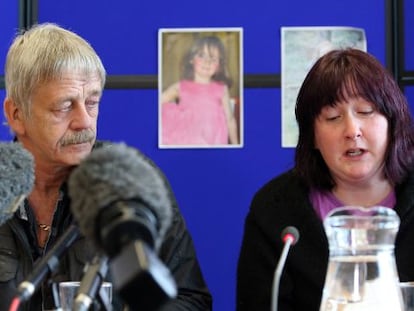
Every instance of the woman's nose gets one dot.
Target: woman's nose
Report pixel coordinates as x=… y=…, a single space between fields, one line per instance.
x=352 y=128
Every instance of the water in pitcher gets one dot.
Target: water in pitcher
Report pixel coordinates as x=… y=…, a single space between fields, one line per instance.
x=361 y=273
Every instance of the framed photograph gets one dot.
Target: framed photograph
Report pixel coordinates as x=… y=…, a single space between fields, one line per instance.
x=301 y=47
x=200 y=87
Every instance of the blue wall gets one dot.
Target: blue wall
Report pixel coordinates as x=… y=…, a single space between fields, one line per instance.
x=214 y=186
x=9 y=15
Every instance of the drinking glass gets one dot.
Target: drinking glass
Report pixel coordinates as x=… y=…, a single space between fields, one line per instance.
x=68 y=291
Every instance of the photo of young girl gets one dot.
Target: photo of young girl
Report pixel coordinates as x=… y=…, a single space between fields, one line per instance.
x=201 y=108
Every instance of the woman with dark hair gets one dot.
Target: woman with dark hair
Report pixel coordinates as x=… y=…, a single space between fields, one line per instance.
x=355 y=147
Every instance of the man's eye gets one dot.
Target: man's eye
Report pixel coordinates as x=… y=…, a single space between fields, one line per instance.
x=64 y=108
x=92 y=104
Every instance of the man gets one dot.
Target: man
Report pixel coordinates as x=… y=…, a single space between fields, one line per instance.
x=54 y=83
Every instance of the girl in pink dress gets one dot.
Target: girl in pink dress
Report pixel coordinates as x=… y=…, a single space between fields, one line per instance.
x=196 y=110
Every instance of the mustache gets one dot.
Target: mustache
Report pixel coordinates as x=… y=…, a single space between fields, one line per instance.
x=85 y=136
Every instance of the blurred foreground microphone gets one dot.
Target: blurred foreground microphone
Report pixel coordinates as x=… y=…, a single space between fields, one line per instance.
x=16 y=178
x=16 y=182
x=121 y=201
x=290 y=236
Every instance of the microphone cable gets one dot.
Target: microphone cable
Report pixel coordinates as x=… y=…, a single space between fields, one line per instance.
x=14 y=305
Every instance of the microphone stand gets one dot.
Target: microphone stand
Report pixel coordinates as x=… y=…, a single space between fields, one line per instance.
x=48 y=264
x=289 y=236
x=103 y=299
x=91 y=286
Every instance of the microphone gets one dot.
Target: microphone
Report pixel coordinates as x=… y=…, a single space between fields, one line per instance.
x=47 y=264
x=290 y=236
x=17 y=178
x=123 y=204
x=94 y=276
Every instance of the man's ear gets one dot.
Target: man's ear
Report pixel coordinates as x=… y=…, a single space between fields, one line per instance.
x=14 y=116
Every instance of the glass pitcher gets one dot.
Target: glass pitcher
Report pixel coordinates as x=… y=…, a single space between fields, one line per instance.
x=362 y=273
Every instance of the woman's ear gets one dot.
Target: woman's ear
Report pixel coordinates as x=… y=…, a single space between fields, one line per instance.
x=14 y=116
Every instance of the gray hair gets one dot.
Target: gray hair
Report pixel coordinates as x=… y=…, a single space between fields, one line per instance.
x=43 y=53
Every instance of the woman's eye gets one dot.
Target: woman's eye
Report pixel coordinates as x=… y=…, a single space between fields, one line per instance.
x=366 y=112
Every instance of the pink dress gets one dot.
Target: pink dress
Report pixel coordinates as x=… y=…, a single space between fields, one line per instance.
x=198 y=118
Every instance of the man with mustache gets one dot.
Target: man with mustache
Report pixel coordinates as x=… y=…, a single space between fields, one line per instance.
x=54 y=83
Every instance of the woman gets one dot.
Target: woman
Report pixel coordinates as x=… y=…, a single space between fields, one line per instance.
x=355 y=147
